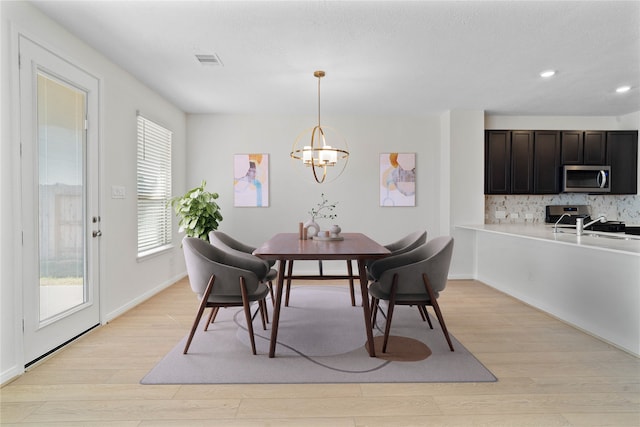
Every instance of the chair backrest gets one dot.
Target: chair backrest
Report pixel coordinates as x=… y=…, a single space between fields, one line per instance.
x=225 y=242
x=204 y=260
x=432 y=258
x=220 y=237
x=407 y=243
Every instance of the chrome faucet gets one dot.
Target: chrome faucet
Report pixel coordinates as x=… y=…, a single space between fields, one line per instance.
x=555 y=227
x=580 y=225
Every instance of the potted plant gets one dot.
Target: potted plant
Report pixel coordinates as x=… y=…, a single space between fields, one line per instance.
x=197 y=211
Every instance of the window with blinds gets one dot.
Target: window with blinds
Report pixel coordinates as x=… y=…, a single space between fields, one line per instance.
x=154 y=187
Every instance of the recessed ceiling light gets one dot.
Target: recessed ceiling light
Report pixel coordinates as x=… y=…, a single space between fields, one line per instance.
x=623 y=89
x=548 y=73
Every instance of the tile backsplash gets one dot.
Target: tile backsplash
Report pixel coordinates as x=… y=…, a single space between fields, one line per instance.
x=530 y=208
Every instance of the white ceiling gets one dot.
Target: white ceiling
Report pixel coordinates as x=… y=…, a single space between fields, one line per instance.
x=381 y=57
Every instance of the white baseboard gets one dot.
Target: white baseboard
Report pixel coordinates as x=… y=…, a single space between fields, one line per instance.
x=10 y=374
x=142 y=298
x=461 y=276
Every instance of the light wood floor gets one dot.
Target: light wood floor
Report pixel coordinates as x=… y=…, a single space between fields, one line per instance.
x=550 y=374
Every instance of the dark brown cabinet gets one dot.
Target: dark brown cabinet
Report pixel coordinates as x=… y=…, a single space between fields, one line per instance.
x=530 y=162
x=546 y=162
x=595 y=148
x=622 y=156
x=572 y=147
x=521 y=162
x=583 y=147
x=497 y=170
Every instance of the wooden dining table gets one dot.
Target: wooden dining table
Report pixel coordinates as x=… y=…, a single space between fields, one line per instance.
x=288 y=247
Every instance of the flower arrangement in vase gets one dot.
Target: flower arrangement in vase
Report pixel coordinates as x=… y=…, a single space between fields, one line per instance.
x=324 y=210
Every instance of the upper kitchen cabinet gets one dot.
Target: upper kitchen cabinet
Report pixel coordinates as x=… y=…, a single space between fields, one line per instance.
x=497 y=156
x=583 y=147
x=572 y=152
x=530 y=162
x=622 y=156
x=595 y=148
x=546 y=162
x=522 y=162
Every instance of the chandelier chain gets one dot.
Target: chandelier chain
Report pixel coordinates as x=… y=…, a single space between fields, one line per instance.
x=319 y=78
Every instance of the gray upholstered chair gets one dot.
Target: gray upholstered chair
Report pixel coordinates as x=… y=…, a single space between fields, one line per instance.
x=412 y=278
x=405 y=244
x=223 y=279
x=226 y=242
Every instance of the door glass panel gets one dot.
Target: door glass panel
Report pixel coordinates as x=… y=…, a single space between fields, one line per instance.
x=61 y=155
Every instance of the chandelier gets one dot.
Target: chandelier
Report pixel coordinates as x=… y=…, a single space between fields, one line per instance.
x=319 y=155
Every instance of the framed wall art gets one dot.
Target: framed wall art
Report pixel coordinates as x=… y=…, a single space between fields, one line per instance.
x=397 y=179
x=251 y=180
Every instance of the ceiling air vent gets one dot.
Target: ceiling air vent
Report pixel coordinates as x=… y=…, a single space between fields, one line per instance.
x=209 y=60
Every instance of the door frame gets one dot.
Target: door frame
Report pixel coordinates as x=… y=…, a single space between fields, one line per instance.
x=16 y=32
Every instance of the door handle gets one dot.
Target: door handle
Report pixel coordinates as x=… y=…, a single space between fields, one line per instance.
x=602 y=181
x=96 y=233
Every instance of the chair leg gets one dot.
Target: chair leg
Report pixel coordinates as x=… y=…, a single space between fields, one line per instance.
x=203 y=305
x=436 y=308
x=289 y=273
x=247 y=313
x=270 y=285
x=351 y=289
x=425 y=315
x=212 y=318
x=392 y=303
x=374 y=311
x=264 y=311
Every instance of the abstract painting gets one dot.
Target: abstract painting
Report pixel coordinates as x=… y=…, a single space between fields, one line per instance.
x=398 y=179
x=251 y=180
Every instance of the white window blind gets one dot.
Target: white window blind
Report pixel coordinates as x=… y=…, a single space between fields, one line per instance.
x=154 y=186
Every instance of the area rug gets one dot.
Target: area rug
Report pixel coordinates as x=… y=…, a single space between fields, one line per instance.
x=321 y=339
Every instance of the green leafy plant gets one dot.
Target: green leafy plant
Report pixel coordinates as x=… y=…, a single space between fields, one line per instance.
x=197 y=211
x=324 y=209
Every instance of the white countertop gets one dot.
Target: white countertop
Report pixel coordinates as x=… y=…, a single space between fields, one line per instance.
x=616 y=242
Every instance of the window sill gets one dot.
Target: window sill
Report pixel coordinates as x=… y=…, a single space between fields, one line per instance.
x=142 y=256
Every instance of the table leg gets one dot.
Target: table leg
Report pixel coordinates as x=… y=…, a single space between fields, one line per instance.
x=364 y=282
x=276 y=309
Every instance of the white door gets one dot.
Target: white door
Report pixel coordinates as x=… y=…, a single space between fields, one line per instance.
x=60 y=195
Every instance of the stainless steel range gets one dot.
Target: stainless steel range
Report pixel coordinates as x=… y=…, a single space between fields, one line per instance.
x=568 y=214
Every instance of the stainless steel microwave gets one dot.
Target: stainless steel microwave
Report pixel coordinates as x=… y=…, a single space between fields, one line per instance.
x=586 y=179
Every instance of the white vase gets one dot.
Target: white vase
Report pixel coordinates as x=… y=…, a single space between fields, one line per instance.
x=335 y=230
x=312 y=228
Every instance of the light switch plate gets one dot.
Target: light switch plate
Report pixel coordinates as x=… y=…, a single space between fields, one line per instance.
x=118 y=192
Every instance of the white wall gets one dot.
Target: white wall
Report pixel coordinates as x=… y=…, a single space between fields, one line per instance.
x=466 y=184
x=214 y=139
x=627 y=122
x=124 y=281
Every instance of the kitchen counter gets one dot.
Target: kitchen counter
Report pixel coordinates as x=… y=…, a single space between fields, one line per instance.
x=616 y=242
x=591 y=281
